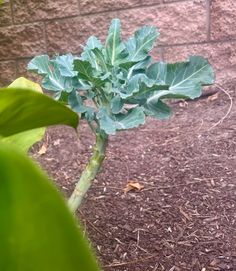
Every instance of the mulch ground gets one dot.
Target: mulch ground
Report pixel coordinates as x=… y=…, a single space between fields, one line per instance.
x=184 y=218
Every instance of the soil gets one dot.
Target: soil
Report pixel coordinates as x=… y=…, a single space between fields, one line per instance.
x=184 y=218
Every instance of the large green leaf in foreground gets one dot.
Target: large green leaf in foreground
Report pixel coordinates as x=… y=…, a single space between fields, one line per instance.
x=25 y=110
x=26 y=139
x=37 y=231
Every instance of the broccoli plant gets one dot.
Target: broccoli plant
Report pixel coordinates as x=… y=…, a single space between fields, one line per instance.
x=116 y=85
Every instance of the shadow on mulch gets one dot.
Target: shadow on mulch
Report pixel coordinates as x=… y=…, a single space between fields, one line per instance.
x=185 y=216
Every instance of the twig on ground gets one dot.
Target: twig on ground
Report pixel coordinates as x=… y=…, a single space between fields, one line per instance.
x=131 y=262
x=92 y=225
x=138 y=239
x=228 y=111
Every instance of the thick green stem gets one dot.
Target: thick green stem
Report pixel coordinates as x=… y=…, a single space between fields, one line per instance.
x=90 y=172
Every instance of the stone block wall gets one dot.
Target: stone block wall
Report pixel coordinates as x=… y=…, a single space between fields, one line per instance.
x=32 y=27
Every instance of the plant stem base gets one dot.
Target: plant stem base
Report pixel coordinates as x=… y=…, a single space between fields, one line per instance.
x=90 y=172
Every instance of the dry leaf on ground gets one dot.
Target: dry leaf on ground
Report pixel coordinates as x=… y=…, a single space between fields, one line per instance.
x=133 y=186
x=213 y=97
x=42 y=150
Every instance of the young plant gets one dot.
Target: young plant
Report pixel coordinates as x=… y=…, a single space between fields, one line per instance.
x=115 y=85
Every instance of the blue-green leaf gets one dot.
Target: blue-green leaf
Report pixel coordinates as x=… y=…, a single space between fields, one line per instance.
x=65 y=65
x=53 y=72
x=184 y=79
x=141 y=43
x=116 y=104
x=115 y=49
x=133 y=118
x=107 y=123
x=134 y=85
x=112 y=123
x=100 y=60
x=86 y=71
x=75 y=101
x=88 y=54
x=92 y=43
x=58 y=83
x=40 y=64
x=159 y=110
